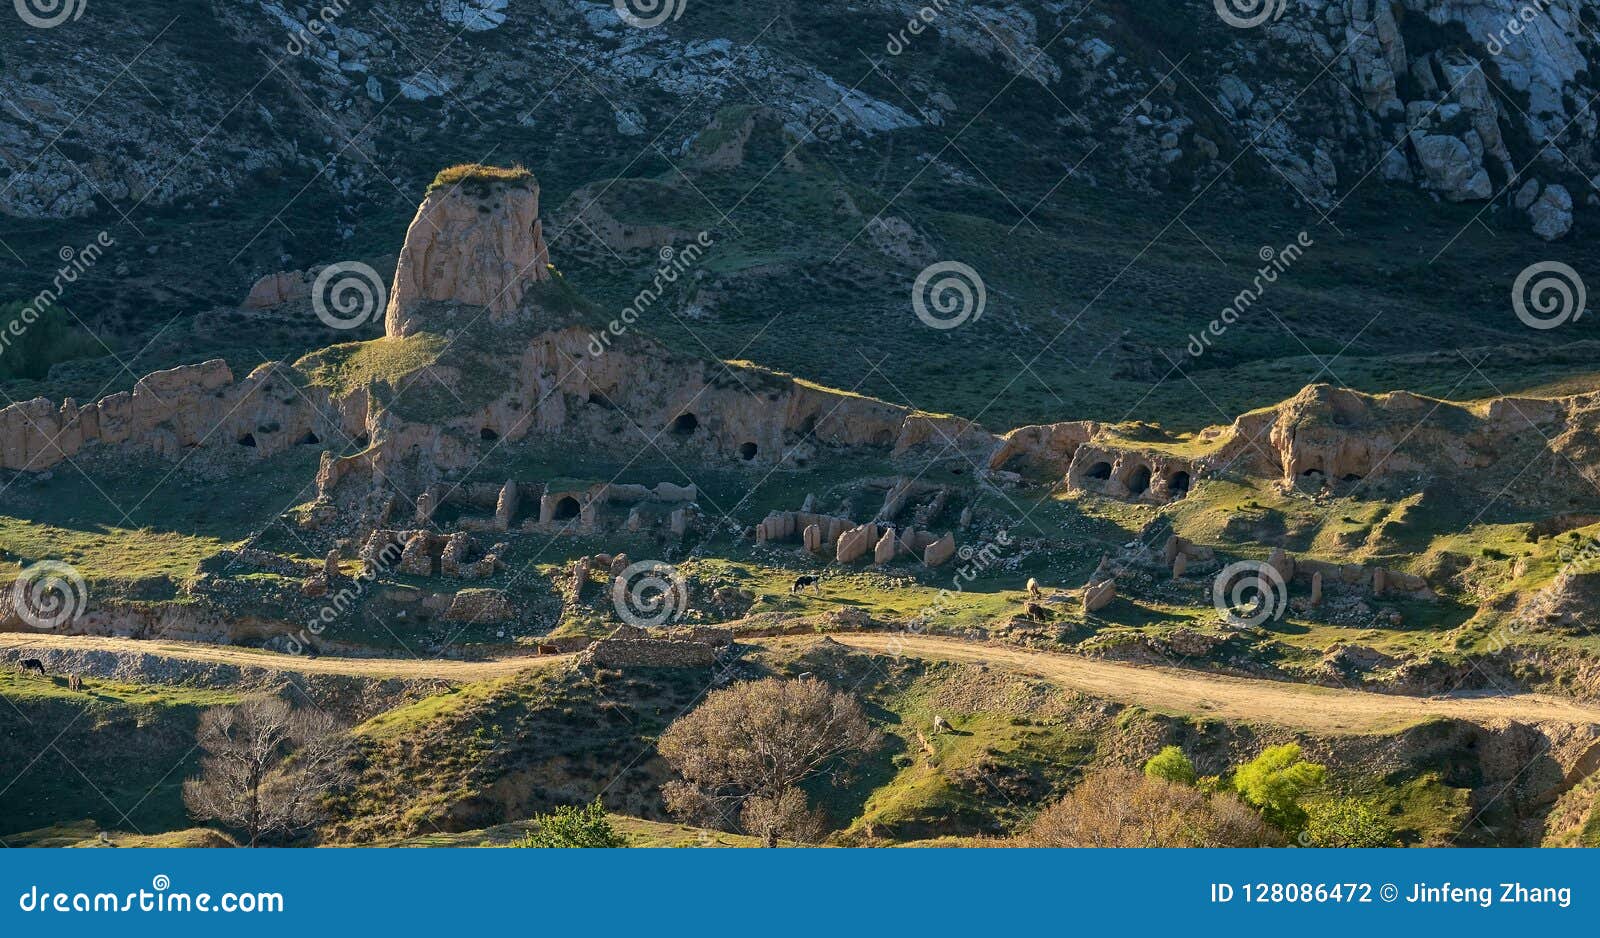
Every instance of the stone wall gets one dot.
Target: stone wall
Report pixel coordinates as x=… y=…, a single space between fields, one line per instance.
x=170 y=411
x=651 y=653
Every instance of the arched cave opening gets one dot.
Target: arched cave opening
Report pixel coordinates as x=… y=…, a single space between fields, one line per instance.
x=249 y=439
x=685 y=424
x=487 y=434
x=310 y=439
x=747 y=451
x=1178 y=485
x=567 y=508
x=1100 y=470
x=1139 y=482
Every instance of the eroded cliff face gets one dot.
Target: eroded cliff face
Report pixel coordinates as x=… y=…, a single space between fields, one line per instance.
x=171 y=412
x=517 y=368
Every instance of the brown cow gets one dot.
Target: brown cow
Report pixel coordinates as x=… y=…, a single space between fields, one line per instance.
x=33 y=664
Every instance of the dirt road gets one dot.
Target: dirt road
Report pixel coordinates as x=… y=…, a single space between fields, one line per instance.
x=405 y=668
x=1168 y=690
x=1194 y=693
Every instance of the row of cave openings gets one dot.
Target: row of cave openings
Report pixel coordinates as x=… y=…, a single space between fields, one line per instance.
x=685 y=424
x=1139 y=480
x=1317 y=475
x=309 y=439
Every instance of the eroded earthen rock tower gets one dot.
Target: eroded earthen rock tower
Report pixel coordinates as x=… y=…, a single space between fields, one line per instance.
x=476 y=240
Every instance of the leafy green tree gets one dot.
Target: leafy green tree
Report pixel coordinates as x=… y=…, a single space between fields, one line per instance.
x=1170 y=764
x=1274 y=782
x=31 y=341
x=1346 y=822
x=585 y=827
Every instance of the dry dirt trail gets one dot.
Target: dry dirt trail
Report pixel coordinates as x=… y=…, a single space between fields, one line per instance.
x=1194 y=693
x=1170 y=690
x=446 y=669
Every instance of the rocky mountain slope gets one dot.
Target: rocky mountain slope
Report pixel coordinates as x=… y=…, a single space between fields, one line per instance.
x=1094 y=165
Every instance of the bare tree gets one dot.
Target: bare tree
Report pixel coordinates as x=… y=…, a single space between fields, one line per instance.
x=748 y=747
x=266 y=767
x=1122 y=808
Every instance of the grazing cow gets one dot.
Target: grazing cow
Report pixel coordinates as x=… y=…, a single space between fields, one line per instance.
x=544 y=649
x=941 y=725
x=1037 y=612
x=1033 y=588
x=33 y=664
x=74 y=682
x=801 y=582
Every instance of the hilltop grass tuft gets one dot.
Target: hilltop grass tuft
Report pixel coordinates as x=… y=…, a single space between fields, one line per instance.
x=477 y=174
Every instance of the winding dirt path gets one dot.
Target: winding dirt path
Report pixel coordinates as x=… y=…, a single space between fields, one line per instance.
x=1168 y=690
x=405 y=668
x=1195 y=693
